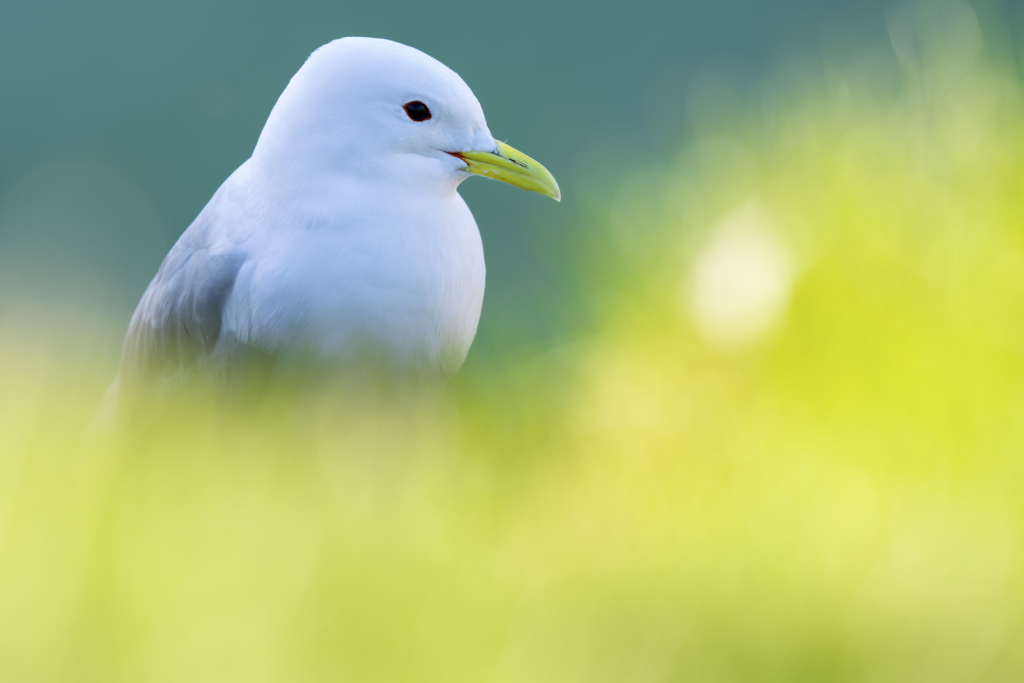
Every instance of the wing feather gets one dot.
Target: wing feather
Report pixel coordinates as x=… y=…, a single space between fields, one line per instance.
x=179 y=317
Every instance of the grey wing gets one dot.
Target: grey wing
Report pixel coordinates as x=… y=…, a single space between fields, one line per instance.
x=179 y=318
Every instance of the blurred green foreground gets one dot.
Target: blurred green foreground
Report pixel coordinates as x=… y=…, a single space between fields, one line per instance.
x=790 y=449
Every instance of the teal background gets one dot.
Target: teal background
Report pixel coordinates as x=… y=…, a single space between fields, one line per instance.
x=118 y=120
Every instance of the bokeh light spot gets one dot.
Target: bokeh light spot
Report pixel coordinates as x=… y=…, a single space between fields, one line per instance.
x=741 y=281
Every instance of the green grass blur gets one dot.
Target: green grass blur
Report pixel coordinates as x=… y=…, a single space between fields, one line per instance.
x=812 y=475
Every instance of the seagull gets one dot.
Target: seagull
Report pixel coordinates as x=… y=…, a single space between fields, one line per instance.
x=342 y=240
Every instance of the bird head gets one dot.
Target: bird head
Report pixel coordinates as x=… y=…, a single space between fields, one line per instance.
x=380 y=110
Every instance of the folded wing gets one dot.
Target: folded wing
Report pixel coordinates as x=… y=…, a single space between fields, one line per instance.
x=179 y=319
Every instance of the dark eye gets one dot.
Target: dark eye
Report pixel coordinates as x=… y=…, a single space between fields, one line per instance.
x=417 y=111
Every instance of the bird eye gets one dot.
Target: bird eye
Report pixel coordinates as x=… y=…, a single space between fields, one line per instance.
x=417 y=111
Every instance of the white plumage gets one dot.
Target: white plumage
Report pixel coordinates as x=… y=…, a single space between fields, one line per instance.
x=343 y=237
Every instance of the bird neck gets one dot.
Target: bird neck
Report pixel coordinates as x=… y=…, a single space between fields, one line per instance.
x=305 y=169
x=331 y=196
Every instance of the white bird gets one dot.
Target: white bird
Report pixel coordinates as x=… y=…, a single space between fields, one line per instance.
x=343 y=238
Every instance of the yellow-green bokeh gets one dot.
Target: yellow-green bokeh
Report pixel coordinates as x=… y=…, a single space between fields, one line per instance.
x=832 y=494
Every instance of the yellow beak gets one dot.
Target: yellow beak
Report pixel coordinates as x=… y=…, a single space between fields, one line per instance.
x=511 y=166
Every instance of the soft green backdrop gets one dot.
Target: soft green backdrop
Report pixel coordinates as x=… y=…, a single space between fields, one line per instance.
x=118 y=120
x=747 y=406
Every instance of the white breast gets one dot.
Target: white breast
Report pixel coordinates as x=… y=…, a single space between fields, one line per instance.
x=403 y=283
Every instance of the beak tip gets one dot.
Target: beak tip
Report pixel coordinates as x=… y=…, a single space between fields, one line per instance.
x=554 y=191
